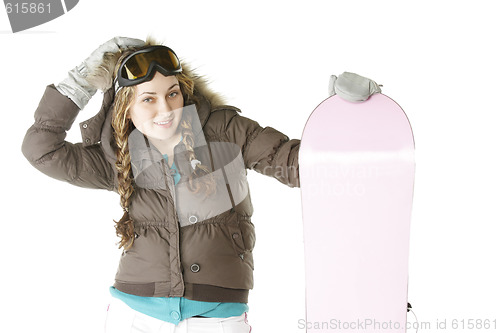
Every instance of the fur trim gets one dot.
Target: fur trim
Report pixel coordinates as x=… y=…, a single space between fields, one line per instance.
x=201 y=85
x=102 y=77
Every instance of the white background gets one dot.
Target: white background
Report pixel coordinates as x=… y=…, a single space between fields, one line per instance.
x=437 y=59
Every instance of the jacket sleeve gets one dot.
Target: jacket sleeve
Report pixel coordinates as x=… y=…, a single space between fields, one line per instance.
x=265 y=149
x=45 y=147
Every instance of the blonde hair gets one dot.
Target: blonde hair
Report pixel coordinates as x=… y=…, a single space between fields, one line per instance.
x=123 y=126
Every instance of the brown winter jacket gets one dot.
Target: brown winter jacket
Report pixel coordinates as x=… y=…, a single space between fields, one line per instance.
x=207 y=259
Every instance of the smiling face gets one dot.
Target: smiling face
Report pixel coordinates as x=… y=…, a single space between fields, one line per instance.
x=156 y=110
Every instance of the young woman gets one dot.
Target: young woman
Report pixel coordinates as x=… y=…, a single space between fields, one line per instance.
x=177 y=156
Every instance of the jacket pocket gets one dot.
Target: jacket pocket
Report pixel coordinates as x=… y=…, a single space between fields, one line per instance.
x=243 y=238
x=248 y=234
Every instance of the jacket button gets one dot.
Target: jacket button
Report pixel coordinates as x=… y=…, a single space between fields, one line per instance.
x=175 y=315
x=195 y=268
x=85 y=125
x=87 y=140
x=193 y=219
x=136 y=235
x=236 y=235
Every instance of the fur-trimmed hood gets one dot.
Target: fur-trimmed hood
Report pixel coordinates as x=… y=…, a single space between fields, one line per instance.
x=102 y=76
x=98 y=128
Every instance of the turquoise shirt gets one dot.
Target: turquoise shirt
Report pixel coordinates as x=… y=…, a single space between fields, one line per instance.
x=174 y=170
x=176 y=309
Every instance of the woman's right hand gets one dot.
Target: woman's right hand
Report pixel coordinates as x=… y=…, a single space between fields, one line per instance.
x=112 y=46
x=75 y=86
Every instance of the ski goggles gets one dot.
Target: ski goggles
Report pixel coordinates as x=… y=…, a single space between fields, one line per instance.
x=141 y=65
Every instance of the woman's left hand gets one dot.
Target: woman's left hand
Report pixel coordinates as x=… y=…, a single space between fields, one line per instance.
x=352 y=87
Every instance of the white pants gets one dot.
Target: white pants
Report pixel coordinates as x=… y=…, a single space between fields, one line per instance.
x=123 y=319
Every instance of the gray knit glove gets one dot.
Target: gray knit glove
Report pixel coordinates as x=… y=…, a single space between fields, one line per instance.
x=352 y=87
x=75 y=86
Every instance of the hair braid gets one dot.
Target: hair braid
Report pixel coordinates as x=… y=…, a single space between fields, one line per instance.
x=207 y=183
x=121 y=125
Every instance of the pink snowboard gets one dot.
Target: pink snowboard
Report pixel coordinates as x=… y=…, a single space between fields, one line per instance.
x=356 y=175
